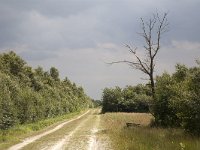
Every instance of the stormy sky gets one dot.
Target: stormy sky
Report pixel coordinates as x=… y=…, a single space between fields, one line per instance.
x=79 y=36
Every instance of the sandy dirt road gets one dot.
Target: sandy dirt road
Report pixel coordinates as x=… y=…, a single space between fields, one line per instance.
x=80 y=133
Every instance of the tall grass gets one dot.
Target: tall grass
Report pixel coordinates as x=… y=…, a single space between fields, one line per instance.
x=144 y=137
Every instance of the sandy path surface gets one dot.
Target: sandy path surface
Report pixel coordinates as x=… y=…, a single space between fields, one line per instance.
x=34 y=138
x=80 y=133
x=65 y=141
x=93 y=144
x=83 y=137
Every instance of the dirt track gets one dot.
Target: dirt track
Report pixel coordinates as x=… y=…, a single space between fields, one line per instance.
x=80 y=133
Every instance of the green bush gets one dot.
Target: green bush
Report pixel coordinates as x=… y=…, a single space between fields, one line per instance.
x=7 y=108
x=129 y=99
x=178 y=99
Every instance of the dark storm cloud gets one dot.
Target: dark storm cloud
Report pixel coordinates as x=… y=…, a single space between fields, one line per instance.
x=83 y=34
x=47 y=22
x=85 y=23
x=51 y=8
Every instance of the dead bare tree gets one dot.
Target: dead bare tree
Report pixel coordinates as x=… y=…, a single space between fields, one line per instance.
x=152 y=31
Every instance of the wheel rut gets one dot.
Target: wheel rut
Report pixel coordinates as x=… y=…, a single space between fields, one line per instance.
x=80 y=133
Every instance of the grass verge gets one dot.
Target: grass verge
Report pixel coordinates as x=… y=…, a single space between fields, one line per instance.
x=144 y=137
x=17 y=133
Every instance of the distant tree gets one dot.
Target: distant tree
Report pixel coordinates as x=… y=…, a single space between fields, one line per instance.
x=11 y=63
x=136 y=98
x=112 y=97
x=67 y=81
x=54 y=73
x=39 y=71
x=152 y=31
x=181 y=72
x=97 y=103
x=129 y=99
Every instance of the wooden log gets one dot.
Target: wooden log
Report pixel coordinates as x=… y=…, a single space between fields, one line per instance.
x=131 y=124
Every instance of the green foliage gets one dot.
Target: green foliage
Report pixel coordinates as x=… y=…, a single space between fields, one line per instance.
x=129 y=99
x=7 y=109
x=54 y=73
x=178 y=99
x=111 y=99
x=97 y=103
x=136 y=98
x=28 y=95
x=164 y=110
x=11 y=63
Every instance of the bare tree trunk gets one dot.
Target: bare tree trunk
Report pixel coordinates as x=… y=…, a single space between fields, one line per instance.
x=151 y=32
x=152 y=87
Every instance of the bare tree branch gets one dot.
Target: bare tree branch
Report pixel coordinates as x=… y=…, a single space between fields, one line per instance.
x=152 y=31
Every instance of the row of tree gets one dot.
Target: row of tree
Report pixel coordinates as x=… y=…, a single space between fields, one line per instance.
x=28 y=95
x=129 y=99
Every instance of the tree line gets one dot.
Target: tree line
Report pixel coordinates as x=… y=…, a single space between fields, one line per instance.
x=129 y=99
x=28 y=95
x=176 y=102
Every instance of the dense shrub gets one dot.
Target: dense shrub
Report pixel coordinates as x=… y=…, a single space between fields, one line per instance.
x=129 y=99
x=164 y=110
x=178 y=99
x=7 y=110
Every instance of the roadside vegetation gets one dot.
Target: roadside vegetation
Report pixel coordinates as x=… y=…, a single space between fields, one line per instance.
x=176 y=103
x=173 y=99
x=144 y=137
x=18 y=132
x=129 y=99
x=30 y=95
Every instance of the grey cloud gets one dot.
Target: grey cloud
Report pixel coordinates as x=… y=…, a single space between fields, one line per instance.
x=37 y=55
x=83 y=24
x=77 y=36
